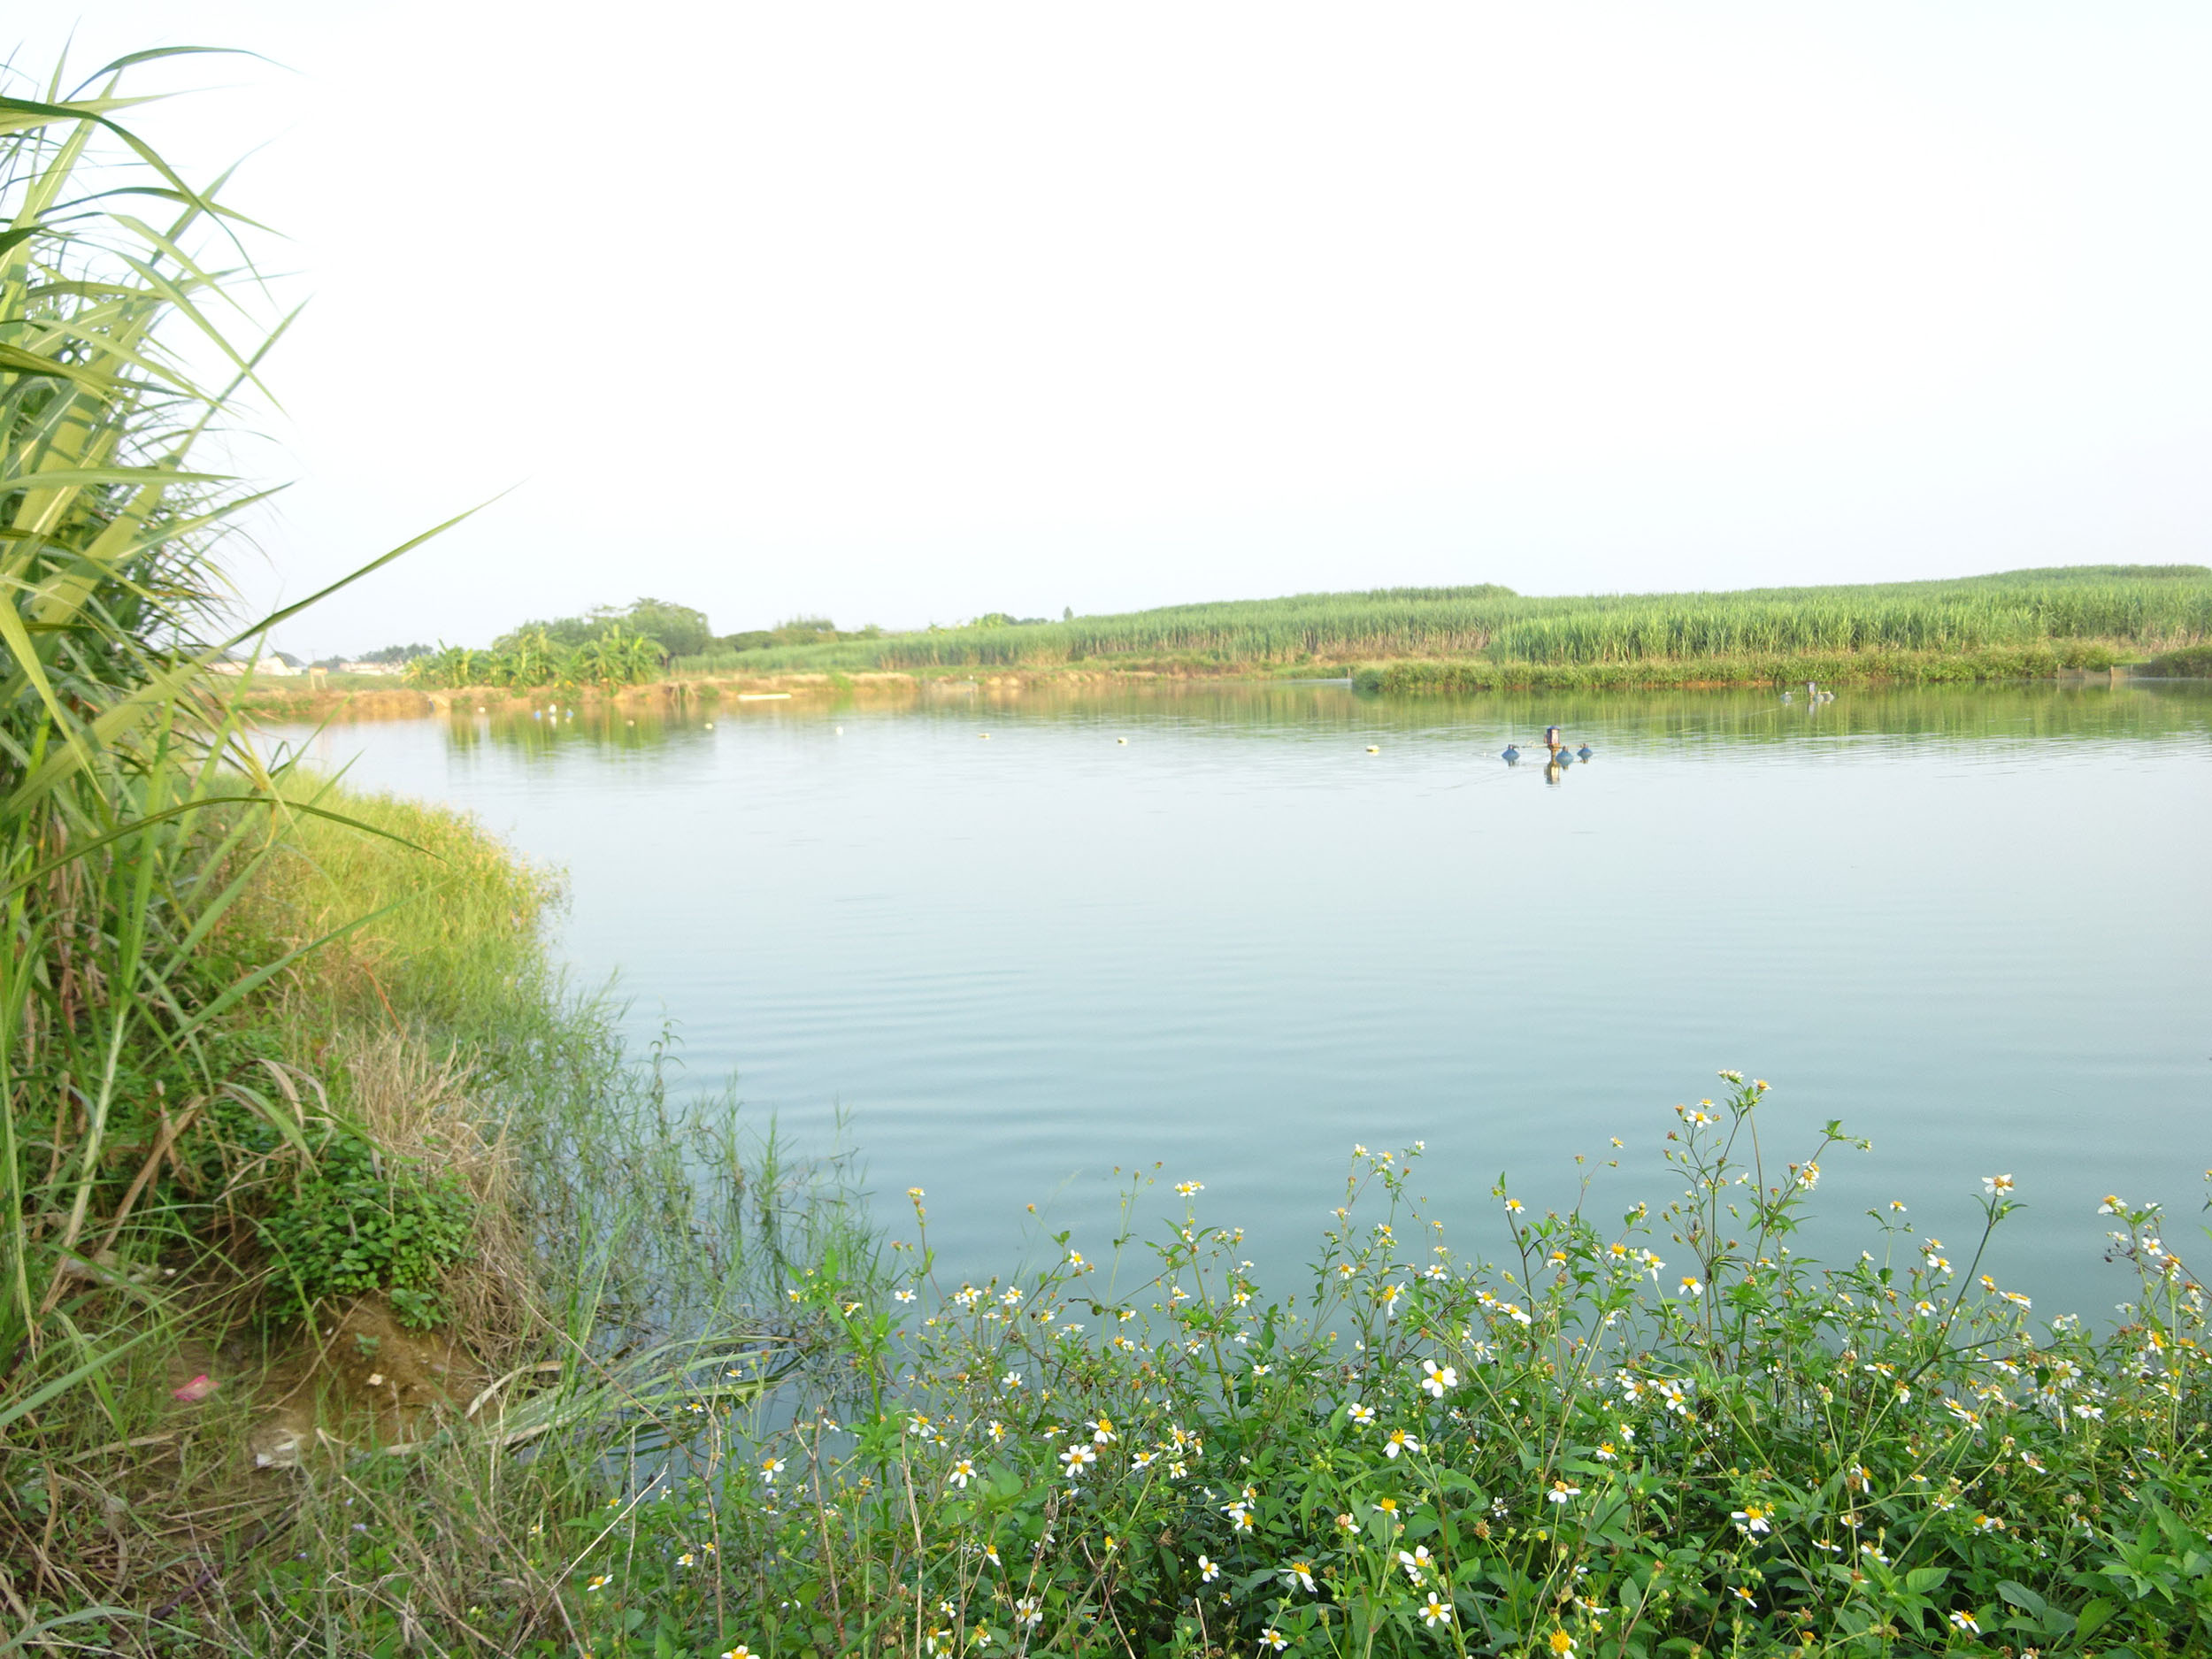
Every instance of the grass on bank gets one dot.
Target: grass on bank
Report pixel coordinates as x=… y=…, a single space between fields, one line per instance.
x=612 y=1257
x=2191 y=662
x=2127 y=610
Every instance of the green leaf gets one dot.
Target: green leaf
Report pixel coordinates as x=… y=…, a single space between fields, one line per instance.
x=2021 y=1596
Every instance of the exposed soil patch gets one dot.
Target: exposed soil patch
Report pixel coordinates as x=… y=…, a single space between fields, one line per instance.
x=368 y=1381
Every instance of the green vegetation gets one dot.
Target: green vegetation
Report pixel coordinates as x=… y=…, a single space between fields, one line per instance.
x=677 y=629
x=800 y=631
x=1890 y=630
x=1665 y=1432
x=609 y=645
x=1829 y=668
x=356 y=1223
x=533 y=658
x=2192 y=662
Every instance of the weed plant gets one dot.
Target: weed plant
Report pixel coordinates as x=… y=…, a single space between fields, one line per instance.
x=1663 y=1432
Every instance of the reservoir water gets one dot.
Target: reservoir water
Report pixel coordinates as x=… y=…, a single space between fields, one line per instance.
x=1204 y=926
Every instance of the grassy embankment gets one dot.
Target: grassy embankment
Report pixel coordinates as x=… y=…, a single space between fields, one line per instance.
x=2021 y=624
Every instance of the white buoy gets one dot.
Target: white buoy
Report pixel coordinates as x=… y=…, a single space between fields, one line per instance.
x=986 y=736
x=709 y=725
x=838 y=730
x=1374 y=748
x=1121 y=740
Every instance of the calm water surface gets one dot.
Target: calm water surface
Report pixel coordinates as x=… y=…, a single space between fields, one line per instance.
x=1969 y=923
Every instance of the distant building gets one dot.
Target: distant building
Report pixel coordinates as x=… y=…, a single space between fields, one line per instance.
x=372 y=668
x=275 y=665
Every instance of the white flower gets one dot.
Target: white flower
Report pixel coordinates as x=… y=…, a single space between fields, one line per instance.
x=1438 y=1378
x=1030 y=1611
x=1435 y=1612
x=1996 y=1186
x=1751 y=1518
x=769 y=1468
x=963 y=1472
x=1362 y=1416
x=1078 y=1457
x=1561 y=1493
x=901 y=1296
x=1398 y=1441
x=1692 y=1285
x=1301 y=1572
x=1965 y=1621
x=1416 y=1561
x=1207 y=1571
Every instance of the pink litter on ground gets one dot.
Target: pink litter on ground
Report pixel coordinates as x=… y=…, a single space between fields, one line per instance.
x=196 y=1390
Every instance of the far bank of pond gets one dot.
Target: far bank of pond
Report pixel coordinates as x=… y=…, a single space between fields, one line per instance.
x=320 y=697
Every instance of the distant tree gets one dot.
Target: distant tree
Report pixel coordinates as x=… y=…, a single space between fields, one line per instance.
x=680 y=630
x=1067 y=614
x=395 y=653
x=797 y=631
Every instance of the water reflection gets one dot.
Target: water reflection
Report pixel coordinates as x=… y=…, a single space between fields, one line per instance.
x=2083 y=710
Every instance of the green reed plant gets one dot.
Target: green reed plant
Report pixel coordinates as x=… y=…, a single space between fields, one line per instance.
x=2137 y=607
x=131 y=818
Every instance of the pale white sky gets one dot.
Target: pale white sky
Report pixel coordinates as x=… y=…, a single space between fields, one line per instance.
x=908 y=311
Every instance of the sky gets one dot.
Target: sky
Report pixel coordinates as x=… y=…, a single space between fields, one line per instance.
x=903 y=313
